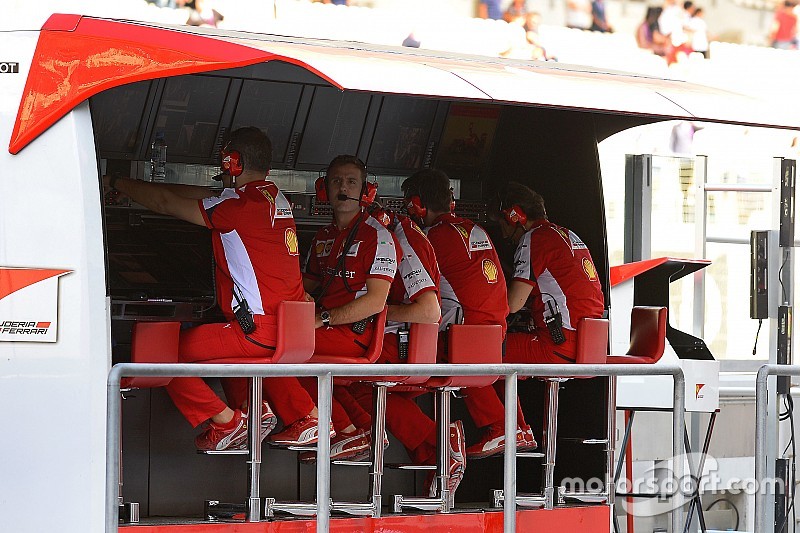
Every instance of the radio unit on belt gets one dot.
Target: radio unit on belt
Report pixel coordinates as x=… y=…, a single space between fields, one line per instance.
x=243 y=313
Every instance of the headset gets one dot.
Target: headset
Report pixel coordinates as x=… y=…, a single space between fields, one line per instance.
x=415 y=208
x=231 y=163
x=514 y=215
x=369 y=190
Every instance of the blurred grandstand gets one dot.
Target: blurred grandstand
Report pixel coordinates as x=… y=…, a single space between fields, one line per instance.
x=447 y=25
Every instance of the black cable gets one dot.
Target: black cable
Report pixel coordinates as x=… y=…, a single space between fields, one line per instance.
x=760 y=320
x=735 y=509
x=780 y=279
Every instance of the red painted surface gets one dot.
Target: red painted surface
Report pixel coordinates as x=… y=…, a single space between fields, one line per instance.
x=621 y=273
x=576 y=519
x=14 y=279
x=77 y=57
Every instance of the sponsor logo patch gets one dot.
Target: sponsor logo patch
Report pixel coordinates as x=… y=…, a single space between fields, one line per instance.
x=589 y=269
x=29 y=304
x=7 y=67
x=489 y=270
x=290 y=238
x=697 y=388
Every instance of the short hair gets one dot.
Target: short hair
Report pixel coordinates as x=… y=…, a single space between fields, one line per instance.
x=433 y=188
x=528 y=200
x=345 y=159
x=254 y=146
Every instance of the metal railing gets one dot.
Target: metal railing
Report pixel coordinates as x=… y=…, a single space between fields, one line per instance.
x=325 y=373
x=761 y=438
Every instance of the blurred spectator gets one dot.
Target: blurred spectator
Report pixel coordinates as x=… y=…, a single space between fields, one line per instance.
x=204 y=14
x=682 y=137
x=698 y=32
x=411 y=41
x=579 y=14
x=783 y=34
x=490 y=9
x=531 y=27
x=670 y=24
x=648 y=35
x=337 y=2
x=517 y=10
x=524 y=41
x=599 y=21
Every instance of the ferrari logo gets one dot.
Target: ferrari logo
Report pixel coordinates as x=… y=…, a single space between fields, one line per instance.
x=588 y=267
x=490 y=271
x=291 y=241
x=266 y=194
x=463 y=232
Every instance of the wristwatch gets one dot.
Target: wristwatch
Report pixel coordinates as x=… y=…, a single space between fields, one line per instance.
x=325 y=316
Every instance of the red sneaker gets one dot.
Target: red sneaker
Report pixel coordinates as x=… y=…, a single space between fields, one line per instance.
x=527 y=443
x=343 y=446
x=300 y=433
x=494 y=442
x=457 y=464
x=217 y=437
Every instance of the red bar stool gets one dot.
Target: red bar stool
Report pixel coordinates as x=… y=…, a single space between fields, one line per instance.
x=295 y=344
x=591 y=349
x=648 y=341
x=466 y=344
x=372 y=507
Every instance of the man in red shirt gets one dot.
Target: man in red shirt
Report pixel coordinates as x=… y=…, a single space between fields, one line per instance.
x=473 y=288
x=555 y=278
x=255 y=250
x=352 y=262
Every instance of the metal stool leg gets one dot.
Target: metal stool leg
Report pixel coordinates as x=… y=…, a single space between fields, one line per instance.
x=376 y=454
x=551 y=430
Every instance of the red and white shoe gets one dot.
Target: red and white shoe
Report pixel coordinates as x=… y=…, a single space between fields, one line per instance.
x=268 y=420
x=457 y=464
x=303 y=432
x=494 y=442
x=528 y=443
x=218 y=438
x=343 y=446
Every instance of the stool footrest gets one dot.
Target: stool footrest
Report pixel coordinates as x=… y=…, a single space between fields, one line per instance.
x=215 y=510
x=346 y=462
x=534 y=455
x=423 y=504
x=586 y=497
x=294 y=508
x=223 y=452
x=523 y=500
x=410 y=466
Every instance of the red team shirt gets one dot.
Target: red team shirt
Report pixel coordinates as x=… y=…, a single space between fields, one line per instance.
x=418 y=271
x=373 y=254
x=258 y=253
x=472 y=287
x=559 y=266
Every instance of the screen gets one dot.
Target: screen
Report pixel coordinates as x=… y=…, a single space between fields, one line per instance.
x=271 y=107
x=334 y=126
x=158 y=258
x=189 y=115
x=468 y=135
x=402 y=133
x=117 y=117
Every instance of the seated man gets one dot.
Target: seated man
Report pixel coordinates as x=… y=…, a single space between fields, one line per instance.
x=413 y=298
x=253 y=265
x=353 y=262
x=554 y=277
x=473 y=289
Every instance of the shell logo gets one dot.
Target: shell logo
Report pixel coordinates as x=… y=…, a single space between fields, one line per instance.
x=291 y=242
x=320 y=248
x=588 y=267
x=489 y=271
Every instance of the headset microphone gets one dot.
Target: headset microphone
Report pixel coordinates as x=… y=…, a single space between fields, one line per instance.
x=343 y=197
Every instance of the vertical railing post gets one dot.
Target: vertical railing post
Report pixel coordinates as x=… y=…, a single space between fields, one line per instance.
x=760 y=451
x=114 y=405
x=510 y=457
x=679 y=400
x=324 y=394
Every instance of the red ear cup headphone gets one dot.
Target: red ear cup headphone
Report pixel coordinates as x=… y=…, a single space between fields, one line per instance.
x=452 y=205
x=231 y=162
x=514 y=215
x=368 y=192
x=415 y=208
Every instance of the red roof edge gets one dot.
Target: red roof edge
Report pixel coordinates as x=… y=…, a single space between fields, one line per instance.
x=77 y=57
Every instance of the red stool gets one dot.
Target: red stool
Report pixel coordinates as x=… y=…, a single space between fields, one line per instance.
x=648 y=341
x=591 y=349
x=295 y=344
x=466 y=344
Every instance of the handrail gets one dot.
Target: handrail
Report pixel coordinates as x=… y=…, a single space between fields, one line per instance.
x=761 y=436
x=325 y=372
